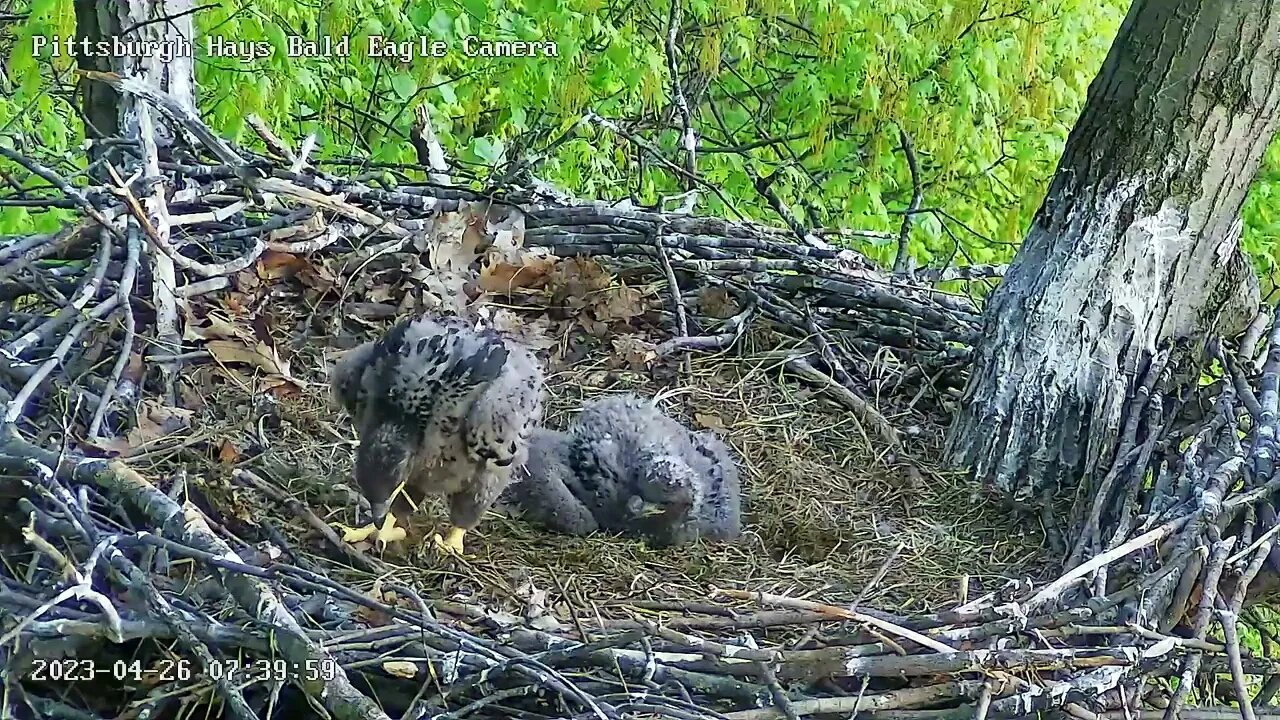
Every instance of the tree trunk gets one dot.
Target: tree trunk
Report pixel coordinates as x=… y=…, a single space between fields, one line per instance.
x=163 y=21
x=168 y=22
x=162 y=31
x=1135 y=248
x=99 y=103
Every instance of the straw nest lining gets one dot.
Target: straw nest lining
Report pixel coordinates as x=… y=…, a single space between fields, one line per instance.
x=823 y=515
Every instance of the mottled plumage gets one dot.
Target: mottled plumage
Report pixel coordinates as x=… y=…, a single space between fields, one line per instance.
x=625 y=467
x=444 y=407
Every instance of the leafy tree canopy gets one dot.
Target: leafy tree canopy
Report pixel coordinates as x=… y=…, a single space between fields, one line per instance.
x=812 y=94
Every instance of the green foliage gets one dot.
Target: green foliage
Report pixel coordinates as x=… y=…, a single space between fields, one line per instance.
x=1261 y=239
x=811 y=92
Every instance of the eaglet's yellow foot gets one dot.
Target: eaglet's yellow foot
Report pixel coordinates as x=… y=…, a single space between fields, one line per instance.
x=452 y=541
x=388 y=533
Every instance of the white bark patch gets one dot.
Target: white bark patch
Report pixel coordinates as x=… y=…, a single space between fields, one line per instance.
x=1134 y=278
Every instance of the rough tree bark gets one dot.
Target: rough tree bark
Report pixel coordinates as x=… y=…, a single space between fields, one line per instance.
x=161 y=32
x=1135 y=248
x=136 y=21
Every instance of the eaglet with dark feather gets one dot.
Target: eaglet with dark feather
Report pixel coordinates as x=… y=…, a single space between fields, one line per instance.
x=627 y=468
x=443 y=407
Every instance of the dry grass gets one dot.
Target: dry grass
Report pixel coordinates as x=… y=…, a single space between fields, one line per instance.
x=822 y=512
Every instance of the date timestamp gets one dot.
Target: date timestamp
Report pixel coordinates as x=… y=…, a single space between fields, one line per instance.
x=169 y=670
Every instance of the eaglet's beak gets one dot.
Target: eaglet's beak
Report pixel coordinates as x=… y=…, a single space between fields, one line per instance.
x=379 y=511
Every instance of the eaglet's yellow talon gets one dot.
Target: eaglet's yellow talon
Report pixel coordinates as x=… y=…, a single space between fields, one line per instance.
x=452 y=542
x=388 y=533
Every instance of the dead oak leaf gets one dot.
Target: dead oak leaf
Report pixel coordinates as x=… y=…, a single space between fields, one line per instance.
x=318 y=277
x=594 y=328
x=274 y=265
x=716 y=302
x=635 y=352
x=371 y=617
x=444 y=291
x=621 y=303
x=259 y=355
x=380 y=294
x=501 y=277
x=236 y=303
x=228 y=454
x=536 y=333
x=155 y=421
x=580 y=277
x=282 y=388
x=212 y=326
x=454 y=241
x=246 y=281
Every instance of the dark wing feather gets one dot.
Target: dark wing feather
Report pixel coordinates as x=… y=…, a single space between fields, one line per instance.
x=426 y=361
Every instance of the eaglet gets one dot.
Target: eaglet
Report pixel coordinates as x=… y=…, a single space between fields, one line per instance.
x=625 y=467
x=445 y=409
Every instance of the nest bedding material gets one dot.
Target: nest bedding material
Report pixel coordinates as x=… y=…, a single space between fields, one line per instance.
x=823 y=516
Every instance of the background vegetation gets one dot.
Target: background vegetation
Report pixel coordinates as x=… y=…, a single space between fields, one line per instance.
x=810 y=93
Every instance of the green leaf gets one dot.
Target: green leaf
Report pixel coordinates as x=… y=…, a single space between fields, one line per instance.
x=446 y=91
x=478 y=9
x=441 y=25
x=487 y=150
x=279 y=43
x=404 y=85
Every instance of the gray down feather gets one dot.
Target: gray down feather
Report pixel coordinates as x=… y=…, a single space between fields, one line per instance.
x=625 y=467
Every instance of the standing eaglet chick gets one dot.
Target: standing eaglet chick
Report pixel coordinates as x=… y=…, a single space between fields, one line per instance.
x=625 y=467
x=443 y=407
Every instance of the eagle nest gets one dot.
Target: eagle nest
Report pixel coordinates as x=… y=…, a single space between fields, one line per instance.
x=825 y=514
x=176 y=480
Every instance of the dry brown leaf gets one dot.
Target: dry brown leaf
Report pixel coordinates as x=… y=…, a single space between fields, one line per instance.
x=308 y=229
x=155 y=421
x=447 y=290
x=635 y=352
x=112 y=446
x=620 y=303
x=710 y=421
x=212 y=326
x=273 y=265
x=371 y=617
x=228 y=453
x=282 y=388
x=246 y=281
x=258 y=355
x=401 y=669
x=454 y=243
x=379 y=294
x=236 y=303
x=473 y=234
x=318 y=277
x=535 y=333
x=580 y=277
x=505 y=229
x=716 y=302
x=501 y=277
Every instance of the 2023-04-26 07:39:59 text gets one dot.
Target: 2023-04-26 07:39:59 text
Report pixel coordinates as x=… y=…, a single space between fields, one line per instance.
x=179 y=670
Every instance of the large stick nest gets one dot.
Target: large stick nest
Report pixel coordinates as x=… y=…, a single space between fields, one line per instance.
x=175 y=478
